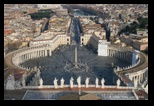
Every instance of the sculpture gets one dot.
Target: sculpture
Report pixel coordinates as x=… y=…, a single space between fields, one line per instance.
x=118 y=83
x=41 y=81
x=62 y=82
x=55 y=83
x=24 y=75
x=96 y=81
x=10 y=84
x=87 y=82
x=23 y=82
x=38 y=73
x=79 y=82
x=118 y=68
x=102 y=82
x=71 y=82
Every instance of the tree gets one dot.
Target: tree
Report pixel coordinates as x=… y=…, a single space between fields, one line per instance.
x=127 y=28
x=142 y=22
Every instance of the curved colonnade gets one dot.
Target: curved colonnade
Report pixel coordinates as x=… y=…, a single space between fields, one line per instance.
x=120 y=52
x=15 y=58
x=30 y=53
x=137 y=71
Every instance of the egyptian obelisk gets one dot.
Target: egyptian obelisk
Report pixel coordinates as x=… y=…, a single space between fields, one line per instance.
x=76 y=64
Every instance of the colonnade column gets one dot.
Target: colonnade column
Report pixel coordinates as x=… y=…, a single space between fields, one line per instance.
x=117 y=54
x=49 y=52
x=113 y=53
x=41 y=53
x=45 y=52
x=34 y=54
x=139 y=79
x=30 y=54
x=122 y=55
x=25 y=57
x=142 y=77
x=37 y=54
x=22 y=58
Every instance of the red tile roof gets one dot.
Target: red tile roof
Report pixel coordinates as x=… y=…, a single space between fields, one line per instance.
x=18 y=74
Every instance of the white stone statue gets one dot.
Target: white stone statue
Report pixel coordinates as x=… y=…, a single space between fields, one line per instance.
x=55 y=83
x=96 y=82
x=112 y=64
x=24 y=75
x=10 y=84
x=62 y=82
x=102 y=82
x=38 y=73
x=118 y=83
x=79 y=82
x=41 y=81
x=35 y=68
x=87 y=82
x=118 y=68
x=23 y=82
x=71 y=82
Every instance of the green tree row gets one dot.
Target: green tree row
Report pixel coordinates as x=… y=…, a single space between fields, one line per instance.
x=143 y=22
x=40 y=15
x=132 y=28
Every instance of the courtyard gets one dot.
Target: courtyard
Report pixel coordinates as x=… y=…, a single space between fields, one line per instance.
x=99 y=66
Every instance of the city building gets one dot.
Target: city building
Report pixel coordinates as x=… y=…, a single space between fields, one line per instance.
x=138 y=42
x=56 y=35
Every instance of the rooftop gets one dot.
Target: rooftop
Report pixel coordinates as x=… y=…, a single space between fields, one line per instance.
x=90 y=26
x=58 y=24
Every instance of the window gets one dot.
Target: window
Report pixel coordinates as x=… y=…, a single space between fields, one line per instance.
x=82 y=39
x=67 y=39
